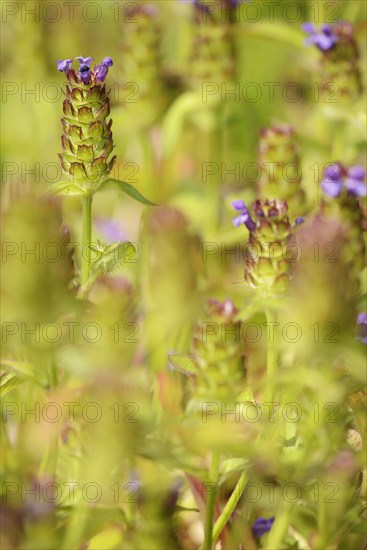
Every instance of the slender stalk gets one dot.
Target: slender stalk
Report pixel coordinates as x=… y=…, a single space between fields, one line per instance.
x=210 y=503
x=86 y=238
x=280 y=527
x=214 y=180
x=230 y=507
x=272 y=359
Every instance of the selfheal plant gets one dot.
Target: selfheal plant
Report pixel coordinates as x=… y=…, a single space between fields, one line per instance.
x=142 y=25
x=266 y=269
x=339 y=56
x=279 y=161
x=213 y=50
x=87 y=145
x=337 y=178
x=343 y=189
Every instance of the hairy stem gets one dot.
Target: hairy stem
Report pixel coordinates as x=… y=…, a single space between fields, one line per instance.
x=86 y=239
x=272 y=359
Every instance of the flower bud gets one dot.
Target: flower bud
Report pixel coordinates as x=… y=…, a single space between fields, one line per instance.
x=267 y=269
x=212 y=57
x=140 y=91
x=218 y=348
x=339 y=57
x=280 y=166
x=343 y=188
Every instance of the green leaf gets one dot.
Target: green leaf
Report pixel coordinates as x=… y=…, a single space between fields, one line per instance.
x=232 y=465
x=186 y=364
x=108 y=539
x=24 y=369
x=21 y=368
x=110 y=257
x=8 y=381
x=125 y=188
x=66 y=188
x=279 y=32
x=186 y=104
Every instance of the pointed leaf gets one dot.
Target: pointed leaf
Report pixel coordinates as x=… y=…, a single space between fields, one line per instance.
x=24 y=369
x=187 y=364
x=185 y=105
x=125 y=188
x=8 y=381
x=110 y=257
x=65 y=188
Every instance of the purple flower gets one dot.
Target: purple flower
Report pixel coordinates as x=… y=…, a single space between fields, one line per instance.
x=362 y=327
x=355 y=181
x=101 y=70
x=84 y=60
x=262 y=526
x=84 y=69
x=244 y=216
x=299 y=220
x=332 y=183
x=65 y=65
x=324 y=39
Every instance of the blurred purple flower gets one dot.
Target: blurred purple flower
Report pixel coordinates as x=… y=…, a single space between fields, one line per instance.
x=362 y=327
x=110 y=229
x=355 y=181
x=332 y=183
x=244 y=216
x=324 y=39
x=202 y=6
x=101 y=70
x=262 y=526
x=299 y=220
x=84 y=68
x=65 y=65
x=336 y=178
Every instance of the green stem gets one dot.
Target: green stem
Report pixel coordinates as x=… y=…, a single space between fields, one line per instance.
x=214 y=181
x=230 y=507
x=272 y=359
x=280 y=527
x=86 y=238
x=210 y=502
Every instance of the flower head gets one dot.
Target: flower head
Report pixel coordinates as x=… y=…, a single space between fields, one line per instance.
x=87 y=137
x=244 y=216
x=262 y=526
x=362 y=327
x=324 y=39
x=85 y=74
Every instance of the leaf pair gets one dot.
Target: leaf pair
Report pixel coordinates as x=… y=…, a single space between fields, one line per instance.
x=70 y=188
